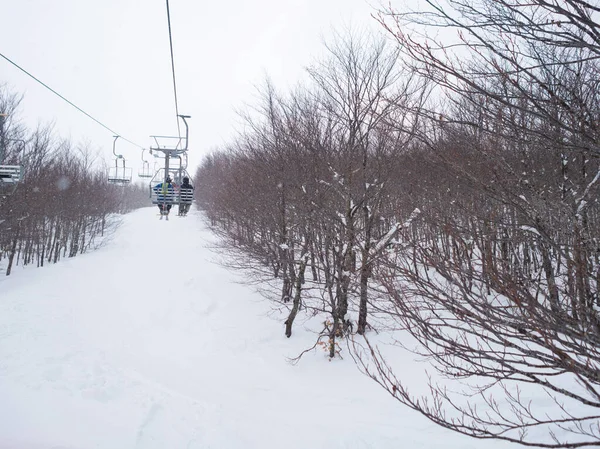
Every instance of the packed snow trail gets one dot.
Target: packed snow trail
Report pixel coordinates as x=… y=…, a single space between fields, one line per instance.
x=147 y=343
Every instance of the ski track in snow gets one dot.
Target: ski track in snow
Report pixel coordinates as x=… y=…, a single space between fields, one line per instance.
x=146 y=344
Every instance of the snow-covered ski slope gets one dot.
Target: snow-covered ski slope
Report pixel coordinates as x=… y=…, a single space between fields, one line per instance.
x=147 y=343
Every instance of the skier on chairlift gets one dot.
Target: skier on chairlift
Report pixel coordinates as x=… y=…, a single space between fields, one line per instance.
x=165 y=193
x=186 y=192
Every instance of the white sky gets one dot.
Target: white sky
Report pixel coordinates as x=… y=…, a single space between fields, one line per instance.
x=111 y=58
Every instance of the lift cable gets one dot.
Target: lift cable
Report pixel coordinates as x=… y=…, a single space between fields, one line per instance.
x=173 y=70
x=72 y=104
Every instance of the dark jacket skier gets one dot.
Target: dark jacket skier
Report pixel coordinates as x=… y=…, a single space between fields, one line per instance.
x=186 y=194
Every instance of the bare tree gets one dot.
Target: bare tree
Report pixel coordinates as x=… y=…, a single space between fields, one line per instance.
x=498 y=279
x=63 y=204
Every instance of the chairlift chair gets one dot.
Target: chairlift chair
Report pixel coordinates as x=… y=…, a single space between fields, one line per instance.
x=175 y=168
x=160 y=195
x=144 y=171
x=119 y=175
x=11 y=174
x=186 y=195
x=116 y=174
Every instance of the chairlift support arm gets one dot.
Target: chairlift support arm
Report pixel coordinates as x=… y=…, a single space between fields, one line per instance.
x=187 y=129
x=118 y=156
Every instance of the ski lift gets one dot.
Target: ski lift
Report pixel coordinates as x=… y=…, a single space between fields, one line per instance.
x=145 y=172
x=186 y=195
x=117 y=174
x=10 y=175
x=161 y=194
x=174 y=169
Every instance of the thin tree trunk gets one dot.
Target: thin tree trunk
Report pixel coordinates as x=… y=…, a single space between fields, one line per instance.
x=11 y=256
x=297 y=298
x=552 y=287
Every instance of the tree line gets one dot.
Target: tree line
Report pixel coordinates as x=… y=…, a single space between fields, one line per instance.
x=64 y=204
x=444 y=182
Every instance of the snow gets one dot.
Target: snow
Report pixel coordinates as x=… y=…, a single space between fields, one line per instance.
x=582 y=202
x=530 y=229
x=148 y=343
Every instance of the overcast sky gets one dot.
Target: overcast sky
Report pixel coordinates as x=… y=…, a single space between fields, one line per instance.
x=111 y=58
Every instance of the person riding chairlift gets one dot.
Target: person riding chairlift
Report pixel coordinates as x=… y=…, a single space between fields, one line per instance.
x=186 y=192
x=165 y=193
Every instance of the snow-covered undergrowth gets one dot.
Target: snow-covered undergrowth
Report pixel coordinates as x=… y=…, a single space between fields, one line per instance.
x=147 y=343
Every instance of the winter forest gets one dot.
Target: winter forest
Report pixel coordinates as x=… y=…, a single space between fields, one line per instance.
x=64 y=203
x=439 y=180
